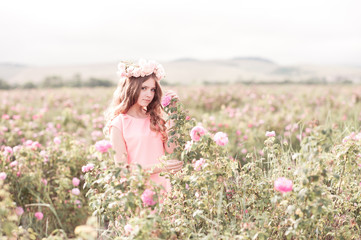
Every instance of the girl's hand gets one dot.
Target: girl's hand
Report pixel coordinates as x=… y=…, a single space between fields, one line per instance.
x=173 y=165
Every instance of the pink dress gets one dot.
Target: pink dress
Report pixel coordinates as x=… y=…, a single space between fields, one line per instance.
x=143 y=145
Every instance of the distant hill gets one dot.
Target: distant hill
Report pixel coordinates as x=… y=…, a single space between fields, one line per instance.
x=193 y=71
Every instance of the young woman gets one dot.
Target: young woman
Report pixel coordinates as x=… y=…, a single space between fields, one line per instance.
x=137 y=130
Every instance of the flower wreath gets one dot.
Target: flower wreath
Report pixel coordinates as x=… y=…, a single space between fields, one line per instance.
x=142 y=69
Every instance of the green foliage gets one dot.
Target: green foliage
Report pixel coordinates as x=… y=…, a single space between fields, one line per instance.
x=231 y=196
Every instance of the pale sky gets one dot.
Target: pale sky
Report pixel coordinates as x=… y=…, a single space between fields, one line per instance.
x=49 y=32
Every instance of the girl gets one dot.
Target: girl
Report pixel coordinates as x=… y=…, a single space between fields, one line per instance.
x=137 y=130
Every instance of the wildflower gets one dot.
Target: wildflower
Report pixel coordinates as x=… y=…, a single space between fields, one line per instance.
x=188 y=118
x=283 y=185
x=147 y=197
x=103 y=146
x=197 y=132
x=39 y=215
x=270 y=134
x=76 y=182
x=220 y=138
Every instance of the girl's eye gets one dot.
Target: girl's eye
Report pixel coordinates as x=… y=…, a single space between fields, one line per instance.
x=153 y=90
x=143 y=88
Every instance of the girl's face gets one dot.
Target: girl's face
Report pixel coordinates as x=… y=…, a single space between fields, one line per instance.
x=147 y=92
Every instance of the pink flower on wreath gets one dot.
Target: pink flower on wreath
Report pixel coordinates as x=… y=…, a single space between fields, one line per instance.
x=39 y=215
x=283 y=185
x=166 y=100
x=220 y=138
x=103 y=146
x=76 y=182
x=147 y=197
x=199 y=164
x=87 y=167
x=197 y=132
x=270 y=134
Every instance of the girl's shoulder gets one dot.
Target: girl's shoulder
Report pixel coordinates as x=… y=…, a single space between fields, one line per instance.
x=125 y=120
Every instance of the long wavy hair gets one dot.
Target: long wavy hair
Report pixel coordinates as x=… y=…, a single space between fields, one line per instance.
x=126 y=95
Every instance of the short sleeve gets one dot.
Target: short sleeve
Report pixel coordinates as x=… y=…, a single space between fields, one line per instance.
x=116 y=122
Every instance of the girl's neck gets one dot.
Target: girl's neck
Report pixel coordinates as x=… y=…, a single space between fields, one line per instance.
x=137 y=111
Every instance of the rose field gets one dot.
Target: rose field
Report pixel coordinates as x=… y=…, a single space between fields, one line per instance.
x=260 y=162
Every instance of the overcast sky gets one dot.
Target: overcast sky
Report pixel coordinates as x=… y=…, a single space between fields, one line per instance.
x=43 y=32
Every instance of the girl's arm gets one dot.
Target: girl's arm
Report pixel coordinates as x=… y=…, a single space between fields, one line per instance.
x=117 y=141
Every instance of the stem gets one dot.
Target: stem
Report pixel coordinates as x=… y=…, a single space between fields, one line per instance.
x=343 y=171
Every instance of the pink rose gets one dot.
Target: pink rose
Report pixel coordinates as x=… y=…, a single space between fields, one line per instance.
x=129 y=72
x=147 y=197
x=283 y=185
x=16 y=149
x=19 y=211
x=136 y=72
x=35 y=145
x=220 y=138
x=75 y=191
x=57 y=140
x=2 y=175
x=76 y=182
x=87 y=168
x=103 y=146
x=166 y=100
x=270 y=134
x=199 y=164
x=188 y=118
x=8 y=150
x=128 y=228
x=5 y=116
x=39 y=215
x=188 y=145
x=197 y=132
x=148 y=68
x=13 y=164
x=28 y=143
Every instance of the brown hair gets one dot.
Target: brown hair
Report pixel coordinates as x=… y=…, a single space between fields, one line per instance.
x=126 y=95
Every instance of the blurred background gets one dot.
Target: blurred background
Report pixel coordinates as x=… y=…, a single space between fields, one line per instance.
x=79 y=43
